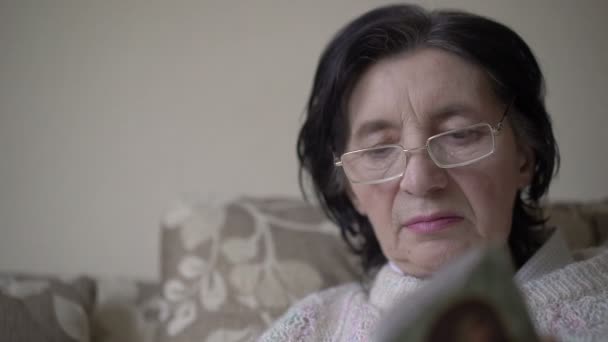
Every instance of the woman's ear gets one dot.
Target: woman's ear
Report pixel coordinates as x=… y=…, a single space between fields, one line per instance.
x=527 y=162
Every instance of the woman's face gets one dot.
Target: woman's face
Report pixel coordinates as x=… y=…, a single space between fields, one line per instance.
x=430 y=215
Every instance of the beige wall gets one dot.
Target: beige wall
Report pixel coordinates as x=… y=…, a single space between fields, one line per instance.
x=110 y=110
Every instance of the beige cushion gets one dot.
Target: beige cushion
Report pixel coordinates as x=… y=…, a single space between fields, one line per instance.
x=229 y=269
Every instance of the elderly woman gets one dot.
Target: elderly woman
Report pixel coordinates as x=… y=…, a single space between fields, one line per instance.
x=427 y=135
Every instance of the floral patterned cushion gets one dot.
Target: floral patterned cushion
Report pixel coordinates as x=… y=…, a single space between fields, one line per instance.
x=45 y=308
x=229 y=269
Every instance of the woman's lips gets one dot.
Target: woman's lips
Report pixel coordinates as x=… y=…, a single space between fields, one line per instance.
x=431 y=224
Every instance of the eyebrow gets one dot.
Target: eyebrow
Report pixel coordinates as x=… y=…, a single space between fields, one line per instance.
x=438 y=115
x=450 y=110
x=373 y=126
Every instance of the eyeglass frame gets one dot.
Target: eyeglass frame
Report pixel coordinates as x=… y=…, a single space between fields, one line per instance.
x=494 y=129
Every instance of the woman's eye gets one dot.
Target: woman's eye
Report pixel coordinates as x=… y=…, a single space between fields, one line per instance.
x=461 y=135
x=378 y=153
x=464 y=136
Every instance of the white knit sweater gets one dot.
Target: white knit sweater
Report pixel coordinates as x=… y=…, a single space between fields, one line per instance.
x=567 y=300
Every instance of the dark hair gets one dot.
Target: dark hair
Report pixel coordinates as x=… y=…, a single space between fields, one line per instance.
x=391 y=30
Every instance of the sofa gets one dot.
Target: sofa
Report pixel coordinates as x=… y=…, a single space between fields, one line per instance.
x=228 y=269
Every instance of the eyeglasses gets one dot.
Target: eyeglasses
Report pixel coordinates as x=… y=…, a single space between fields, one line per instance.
x=454 y=148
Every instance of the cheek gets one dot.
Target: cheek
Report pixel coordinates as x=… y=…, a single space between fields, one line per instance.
x=376 y=202
x=490 y=193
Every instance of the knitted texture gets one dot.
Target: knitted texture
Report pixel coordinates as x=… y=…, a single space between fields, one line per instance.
x=570 y=303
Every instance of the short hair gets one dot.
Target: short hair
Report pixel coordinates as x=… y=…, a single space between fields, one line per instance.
x=390 y=30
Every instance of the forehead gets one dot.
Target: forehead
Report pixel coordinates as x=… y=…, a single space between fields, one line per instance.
x=419 y=89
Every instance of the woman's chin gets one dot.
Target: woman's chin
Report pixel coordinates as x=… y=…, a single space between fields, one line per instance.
x=432 y=256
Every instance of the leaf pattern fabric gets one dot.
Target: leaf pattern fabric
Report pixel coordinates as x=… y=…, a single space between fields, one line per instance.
x=36 y=308
x=249 y=265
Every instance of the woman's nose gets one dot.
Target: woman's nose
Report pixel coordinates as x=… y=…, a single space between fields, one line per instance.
x=422 y=176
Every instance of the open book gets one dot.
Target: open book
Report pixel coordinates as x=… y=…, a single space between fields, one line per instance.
x=474 y=299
